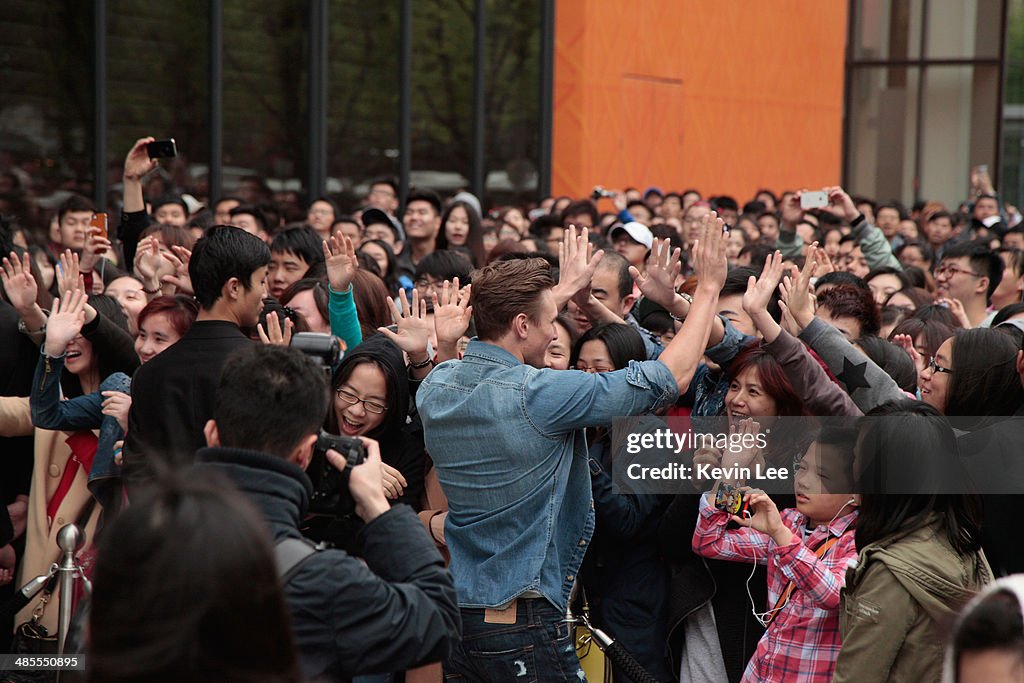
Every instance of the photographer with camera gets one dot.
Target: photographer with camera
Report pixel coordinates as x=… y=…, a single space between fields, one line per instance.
x=395 y=611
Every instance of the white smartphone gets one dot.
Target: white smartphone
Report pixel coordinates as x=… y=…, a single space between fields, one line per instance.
x=813 y=200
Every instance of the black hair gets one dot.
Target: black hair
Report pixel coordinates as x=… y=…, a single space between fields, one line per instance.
x=74 y=203
x=917 y=277
x=938 y=215
x=897 y=207
x=269 y=398
x=984 y=380
x=385 y=180
x=330 y=202
x=582 y=206
x=225 y=252
x=725 y=202
x=906 y=465
x=251 y=210
x=893 y=360
x=569 y=326
x=736 y=283
x=857 y=200
x=423 y=194
x=617 y=262
x=1007 y=312
x=983 y=260
x=445 y=265
x=541 y=226
x=754 y=207
x=199 y=622
x=920 y=297
x=637 y=202
x=994 y=623
x=888 y=270
x=474 y=238
x=658 y=322
x=170 y=199
x=302 y=242
x=939 y=313
x=757 y=251
x=839 y=277
x=622 y=341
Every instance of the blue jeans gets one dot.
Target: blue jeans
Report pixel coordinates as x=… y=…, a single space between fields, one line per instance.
x=539 y=646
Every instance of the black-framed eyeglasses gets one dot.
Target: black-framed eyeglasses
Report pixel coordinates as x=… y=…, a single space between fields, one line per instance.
x=935 y=367
x=370 y=406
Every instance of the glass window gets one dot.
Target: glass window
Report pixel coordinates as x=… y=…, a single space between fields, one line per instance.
x=512 y=101
x=887 y=29
x=958 y=29
x=362 y=95
x=46 y=103
x=958 y=131
x=882 y=120
x=266 y=102
x=1011 y=177
x=442 y=99
x=158 y=84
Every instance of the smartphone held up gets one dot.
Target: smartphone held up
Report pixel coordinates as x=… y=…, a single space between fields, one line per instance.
x=162 y=149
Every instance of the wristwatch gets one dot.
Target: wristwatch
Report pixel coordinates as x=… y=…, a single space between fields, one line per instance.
x=24 y=329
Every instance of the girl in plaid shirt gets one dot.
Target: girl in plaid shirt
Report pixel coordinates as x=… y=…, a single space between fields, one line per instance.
x=807 y=550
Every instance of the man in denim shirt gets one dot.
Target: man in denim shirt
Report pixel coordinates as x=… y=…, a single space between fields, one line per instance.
x=507 y=440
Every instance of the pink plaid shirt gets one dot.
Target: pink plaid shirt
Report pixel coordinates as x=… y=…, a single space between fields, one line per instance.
x=802 y=641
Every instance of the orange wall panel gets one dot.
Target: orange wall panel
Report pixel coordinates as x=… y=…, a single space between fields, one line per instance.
x=723 y=95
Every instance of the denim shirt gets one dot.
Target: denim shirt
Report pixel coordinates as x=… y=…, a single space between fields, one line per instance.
x=508 y=443
x=50 y=411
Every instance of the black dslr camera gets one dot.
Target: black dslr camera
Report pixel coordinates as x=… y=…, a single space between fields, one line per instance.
x=330 y=486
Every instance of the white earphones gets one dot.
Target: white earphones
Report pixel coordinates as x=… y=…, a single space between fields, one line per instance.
x=763 y=617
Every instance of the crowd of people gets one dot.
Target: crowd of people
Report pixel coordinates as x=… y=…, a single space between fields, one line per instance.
x=171 y=383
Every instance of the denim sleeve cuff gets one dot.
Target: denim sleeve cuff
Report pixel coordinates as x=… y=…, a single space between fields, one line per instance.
x=732 y=341
x=652 y=375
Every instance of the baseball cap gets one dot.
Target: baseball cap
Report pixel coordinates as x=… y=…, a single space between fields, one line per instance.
x=374 y=216
x=638 y=232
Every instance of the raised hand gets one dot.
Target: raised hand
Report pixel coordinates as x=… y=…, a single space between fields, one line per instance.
x=18 y=282
x=117 y=404
x=65 y=323
x=824 y=262
x=709 y=259
x=797 y=295
x=575 y=266
x=658 y=282
x=956 y=307
x=841 y=204
x=414 y=329
x=273 y=334
x=906 y=342
x=150 y=265
x=760 y=290
x=340 y=258
x=180 y=279
x=95 y=247
x=138 y=163
x=452 y=313
x=69 y=273
x=791 y=211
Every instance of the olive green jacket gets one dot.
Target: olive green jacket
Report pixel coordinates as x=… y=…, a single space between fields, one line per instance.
x=899 y=602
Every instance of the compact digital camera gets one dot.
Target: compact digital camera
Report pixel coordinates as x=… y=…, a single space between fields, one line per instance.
x=330 y=486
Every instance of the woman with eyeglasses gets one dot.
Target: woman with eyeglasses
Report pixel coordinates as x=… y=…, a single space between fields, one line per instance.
x=371 y=398
x=973 y=374
x=624 y=578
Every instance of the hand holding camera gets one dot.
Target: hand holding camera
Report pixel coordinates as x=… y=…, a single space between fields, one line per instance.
x=365 y=479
